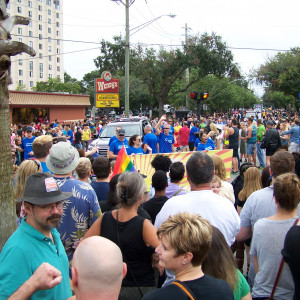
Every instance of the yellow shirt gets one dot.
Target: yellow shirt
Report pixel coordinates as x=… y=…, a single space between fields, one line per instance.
x=86 y=135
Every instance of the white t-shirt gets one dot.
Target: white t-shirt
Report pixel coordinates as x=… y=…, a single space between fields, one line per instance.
x=217 y=210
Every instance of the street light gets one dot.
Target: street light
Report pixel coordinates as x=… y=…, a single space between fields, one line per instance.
x=127 y=47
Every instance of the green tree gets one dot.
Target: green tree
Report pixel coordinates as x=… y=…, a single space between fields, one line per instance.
x=277 y=99
x=281 y=73
x=161 y=70
x=52 y=85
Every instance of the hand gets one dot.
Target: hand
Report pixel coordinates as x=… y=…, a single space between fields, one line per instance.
x=45 y=277
x=31 y=153
x=163 y=117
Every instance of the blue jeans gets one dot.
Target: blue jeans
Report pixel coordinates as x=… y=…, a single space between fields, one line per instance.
x=260 y=155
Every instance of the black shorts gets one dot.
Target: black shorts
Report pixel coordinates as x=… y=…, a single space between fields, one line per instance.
x=235 y=152
x=271 y=149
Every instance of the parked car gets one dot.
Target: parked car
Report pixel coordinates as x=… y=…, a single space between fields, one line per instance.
x=134 y=125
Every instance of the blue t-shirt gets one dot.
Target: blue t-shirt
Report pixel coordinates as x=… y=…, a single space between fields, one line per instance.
x=151 y=140
x=197 y=142
x=112 y=139
x=116 y=146
x=165 y=143
x=138 y=150
x=27 y=146
x=208 y=146
x=192 y=137
x=101 y=189
x=70 y=133
x=45 y=168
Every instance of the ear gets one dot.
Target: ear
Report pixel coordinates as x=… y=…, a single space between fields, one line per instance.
x=74 y=277
x=186 y=258
x=28 y=207
x=124 y=269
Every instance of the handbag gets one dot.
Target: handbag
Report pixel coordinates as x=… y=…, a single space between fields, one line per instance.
x=263 y=144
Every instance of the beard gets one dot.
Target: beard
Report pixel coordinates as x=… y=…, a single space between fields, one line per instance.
x=53 y=221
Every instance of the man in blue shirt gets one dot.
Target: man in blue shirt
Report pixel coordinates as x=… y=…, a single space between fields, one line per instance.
x=36 y=240
x=294 y=140
x=192 y=138
x=116 y=146
x=165 y=139
x=150 y=139
x=26 y=145
x=69 y=134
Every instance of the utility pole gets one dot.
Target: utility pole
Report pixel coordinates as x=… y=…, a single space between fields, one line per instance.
x=187 y=71
x=127 y=61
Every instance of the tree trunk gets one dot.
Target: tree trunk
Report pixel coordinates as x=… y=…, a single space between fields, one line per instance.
x=7 y=205
x=160 y=107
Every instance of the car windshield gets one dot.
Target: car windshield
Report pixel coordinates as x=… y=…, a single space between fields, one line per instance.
x=130 y=129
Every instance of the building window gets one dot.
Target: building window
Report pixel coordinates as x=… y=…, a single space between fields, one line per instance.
x=20 y=40
x=8 y=5
x=50 y=76
x=48 y=2
x=20 y=72
x=20 y=62
x=30 y=43
x=49 y=40
x=56 y=4
x=19 y=10
x=30 y=24
x=58 y=42
x=40 y=18
x=30 y=14
x=50 y=67
x=40 y=36
x=20 y=82
x=58 y=59
x=50 y=58
x=19 y=30
x=40 y=46
x=41 y=67
x=57 y=33
x=41 y=75
x=58 y=76
x=58 y=68
x=40 y=27
x=30 y=3
x=49 y=30
x=31 y=65
x=49 y=21
x=49 y=12
x=57 y=24
x=49 y=48
x=57 y=15
x=30 y=33
x=40 y=55
x=58 y=51
x=31 y=83
x=40 y=8
x=19 y=1
x=30 y=73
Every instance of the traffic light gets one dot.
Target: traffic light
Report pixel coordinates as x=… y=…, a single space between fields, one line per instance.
x=194 y=95
x=204 y=96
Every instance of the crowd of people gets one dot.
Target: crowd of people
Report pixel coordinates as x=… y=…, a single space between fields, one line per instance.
x=83 y=234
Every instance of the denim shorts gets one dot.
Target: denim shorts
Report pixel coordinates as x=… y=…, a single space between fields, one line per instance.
x=250 y=149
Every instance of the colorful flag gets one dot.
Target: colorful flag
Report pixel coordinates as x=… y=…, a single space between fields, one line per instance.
x=123 y=163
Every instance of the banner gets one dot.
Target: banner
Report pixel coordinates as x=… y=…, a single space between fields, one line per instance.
x=142 y=164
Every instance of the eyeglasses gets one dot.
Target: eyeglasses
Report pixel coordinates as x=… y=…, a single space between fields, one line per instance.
x=167 y=128
x=49 y=207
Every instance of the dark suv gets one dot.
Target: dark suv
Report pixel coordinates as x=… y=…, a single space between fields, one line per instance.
x=134 y=125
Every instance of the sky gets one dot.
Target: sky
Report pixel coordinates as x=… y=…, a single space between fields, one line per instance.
x=255 y=24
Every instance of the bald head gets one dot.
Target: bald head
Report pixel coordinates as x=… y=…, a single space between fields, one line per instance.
x=97 y=267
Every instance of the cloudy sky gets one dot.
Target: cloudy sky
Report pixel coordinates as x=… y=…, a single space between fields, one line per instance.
x=242 y=24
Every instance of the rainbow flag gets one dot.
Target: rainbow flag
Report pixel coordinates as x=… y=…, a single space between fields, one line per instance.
x=123 y=163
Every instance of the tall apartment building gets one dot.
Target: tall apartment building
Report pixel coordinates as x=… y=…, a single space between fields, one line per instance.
x=44 y=34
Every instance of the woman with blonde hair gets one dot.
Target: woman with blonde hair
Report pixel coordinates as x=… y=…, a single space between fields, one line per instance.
x=226 y=189
x=26 y=168
x=252 y=183
x=185 y=241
